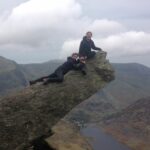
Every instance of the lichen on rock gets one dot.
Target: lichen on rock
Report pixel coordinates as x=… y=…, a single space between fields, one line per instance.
x=32 y=112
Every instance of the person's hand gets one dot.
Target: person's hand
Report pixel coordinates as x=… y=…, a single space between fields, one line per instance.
x=83 y=61
x=102 y=51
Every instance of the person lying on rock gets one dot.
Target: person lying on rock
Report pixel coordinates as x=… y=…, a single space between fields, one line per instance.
x=86 y=45
x=72 y=63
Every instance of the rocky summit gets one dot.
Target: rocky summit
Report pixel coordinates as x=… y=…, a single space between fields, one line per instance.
x=27 y=117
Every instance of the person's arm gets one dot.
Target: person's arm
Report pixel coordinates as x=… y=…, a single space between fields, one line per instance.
x=94 y=47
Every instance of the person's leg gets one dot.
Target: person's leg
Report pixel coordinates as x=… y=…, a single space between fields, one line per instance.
x=38 y=80
x=59 y=77
x=53 y=75
x=91 y=55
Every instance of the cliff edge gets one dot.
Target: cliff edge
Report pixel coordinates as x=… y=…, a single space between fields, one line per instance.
x=32 y=112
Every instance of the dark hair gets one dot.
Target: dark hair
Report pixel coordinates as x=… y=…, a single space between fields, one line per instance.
x=88 y=32
x=75 y=54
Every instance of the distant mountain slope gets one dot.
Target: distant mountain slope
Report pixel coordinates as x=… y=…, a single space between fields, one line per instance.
x=6 y=65
x=11 y=76
x=132 y=125
x=132 y=82
x=14 y=76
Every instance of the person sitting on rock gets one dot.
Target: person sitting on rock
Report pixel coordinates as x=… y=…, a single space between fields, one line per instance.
x=86 y=45
x=72 y=63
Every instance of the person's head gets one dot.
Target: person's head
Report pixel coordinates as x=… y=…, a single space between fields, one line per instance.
x=75 y=55
x=89 y=35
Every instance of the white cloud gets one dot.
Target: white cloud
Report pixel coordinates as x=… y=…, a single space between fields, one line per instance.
x=43 y=26
x=46 y=29
x=35 y=21
x=100 y=28
x=105 y=27
x=130 y=43
x=69 y=47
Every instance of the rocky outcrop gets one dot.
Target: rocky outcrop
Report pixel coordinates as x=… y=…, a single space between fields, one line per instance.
x=30 y=113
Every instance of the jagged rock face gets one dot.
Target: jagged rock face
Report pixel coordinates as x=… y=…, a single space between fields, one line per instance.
x=32 y=112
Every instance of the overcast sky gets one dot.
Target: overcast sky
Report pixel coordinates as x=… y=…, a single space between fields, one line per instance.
x=41 y=30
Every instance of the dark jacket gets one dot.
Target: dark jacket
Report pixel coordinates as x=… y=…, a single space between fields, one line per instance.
x=86 y=46
x=70 y=64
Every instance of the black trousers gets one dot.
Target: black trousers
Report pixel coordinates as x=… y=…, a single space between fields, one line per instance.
x=57 y=76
